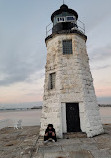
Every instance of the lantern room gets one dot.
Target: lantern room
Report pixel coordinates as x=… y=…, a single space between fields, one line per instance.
x=64 y=19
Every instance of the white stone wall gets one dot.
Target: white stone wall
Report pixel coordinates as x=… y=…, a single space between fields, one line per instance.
x=74 y=83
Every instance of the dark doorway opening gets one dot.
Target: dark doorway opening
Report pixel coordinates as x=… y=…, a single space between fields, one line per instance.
x=72 y=117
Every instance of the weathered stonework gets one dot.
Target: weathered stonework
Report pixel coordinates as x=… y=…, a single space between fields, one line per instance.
x=74 y=83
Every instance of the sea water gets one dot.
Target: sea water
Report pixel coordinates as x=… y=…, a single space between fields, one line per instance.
x=28 y=117
x=19 y=106
x=32 y=117
x=11 y=113
x=105 y=113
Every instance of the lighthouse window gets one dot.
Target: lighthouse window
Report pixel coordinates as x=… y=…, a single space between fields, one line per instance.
x=67 y=46
x=61 y=19
x=70 y=18
x=52 y=80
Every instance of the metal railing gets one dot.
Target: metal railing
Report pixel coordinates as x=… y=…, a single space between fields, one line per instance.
x=49 y=29
x=80 y=24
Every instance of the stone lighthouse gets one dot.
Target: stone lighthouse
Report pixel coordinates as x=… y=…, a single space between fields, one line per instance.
x=69 y=101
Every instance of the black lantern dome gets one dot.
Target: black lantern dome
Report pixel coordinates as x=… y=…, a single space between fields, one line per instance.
x=64 y=8
x=64 y=19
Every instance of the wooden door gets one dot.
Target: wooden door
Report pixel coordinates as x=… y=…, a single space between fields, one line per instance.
x=72 y=117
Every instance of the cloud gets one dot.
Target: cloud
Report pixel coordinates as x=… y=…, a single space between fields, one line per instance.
x=102 y=53
x=19 y=69
x=36 y=77
x=22 y=47
x=96 y=14
x=19 y=60
x=101 y=67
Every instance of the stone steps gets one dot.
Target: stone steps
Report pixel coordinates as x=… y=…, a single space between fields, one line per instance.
x=74 y=135
x=67 y=136
x=75 y=154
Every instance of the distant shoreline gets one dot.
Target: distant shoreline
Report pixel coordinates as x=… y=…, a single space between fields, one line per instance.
x=20 y=109
x=39 y=108
x=104 y=105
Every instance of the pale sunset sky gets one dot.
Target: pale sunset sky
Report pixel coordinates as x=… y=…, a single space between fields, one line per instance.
x=23 y=50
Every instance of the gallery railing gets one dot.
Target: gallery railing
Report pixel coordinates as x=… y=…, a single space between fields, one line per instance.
x=80 y=27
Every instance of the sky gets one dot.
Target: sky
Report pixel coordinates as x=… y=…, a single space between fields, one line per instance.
x=23 y=50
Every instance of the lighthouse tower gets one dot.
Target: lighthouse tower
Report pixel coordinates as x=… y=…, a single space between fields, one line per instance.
x=69 y=101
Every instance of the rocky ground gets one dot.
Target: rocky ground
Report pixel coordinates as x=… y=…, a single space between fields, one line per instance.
x=18 y=143
x=24 y=143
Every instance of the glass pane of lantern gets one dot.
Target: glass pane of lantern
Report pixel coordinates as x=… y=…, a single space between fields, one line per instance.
x=70 y=18
x=61 y=19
